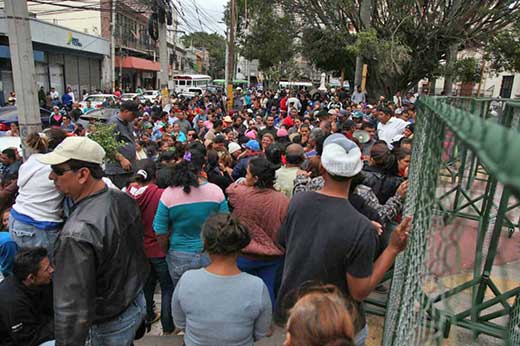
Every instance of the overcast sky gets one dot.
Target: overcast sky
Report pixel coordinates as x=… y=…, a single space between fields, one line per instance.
x=214 y=10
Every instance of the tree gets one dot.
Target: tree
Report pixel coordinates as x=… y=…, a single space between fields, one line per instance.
x=503 y=49
x=418 y=32
x=215 y=44
x=328 y=51
x=266 y=34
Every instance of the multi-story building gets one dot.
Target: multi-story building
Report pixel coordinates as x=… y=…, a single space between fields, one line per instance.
x=123 y=22
x=62 y=57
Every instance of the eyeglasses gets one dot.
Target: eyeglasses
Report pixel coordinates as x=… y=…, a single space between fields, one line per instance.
x=59 y=171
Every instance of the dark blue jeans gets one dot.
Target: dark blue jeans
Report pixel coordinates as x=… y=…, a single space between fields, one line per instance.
x=264 y=269
x=120 y=331
x=159 y=272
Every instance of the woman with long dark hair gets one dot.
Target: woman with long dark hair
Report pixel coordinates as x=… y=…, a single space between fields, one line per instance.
x=217 y=172
x=147 y=195
x=184 y=207
x=262 y=209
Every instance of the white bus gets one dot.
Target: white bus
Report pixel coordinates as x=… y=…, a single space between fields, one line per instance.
x=191 y=84
x=295 y=85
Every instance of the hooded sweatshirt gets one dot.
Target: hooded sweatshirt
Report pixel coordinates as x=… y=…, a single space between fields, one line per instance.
x=147 y=198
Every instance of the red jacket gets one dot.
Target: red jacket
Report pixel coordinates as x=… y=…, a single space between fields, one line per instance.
x=147 y=198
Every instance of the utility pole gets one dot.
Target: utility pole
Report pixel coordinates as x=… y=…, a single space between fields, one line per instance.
x=226 y=80
x=113 y=43
x=22 y=61
x=365 y=13
x=231 y=55
x=163 y=59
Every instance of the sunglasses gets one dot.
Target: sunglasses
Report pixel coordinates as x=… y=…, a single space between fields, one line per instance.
x=59 y=171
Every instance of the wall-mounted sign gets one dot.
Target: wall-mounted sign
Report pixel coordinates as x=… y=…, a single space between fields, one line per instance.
x=71 y=40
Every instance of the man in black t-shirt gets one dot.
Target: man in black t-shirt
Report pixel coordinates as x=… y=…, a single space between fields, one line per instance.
x=328 y=242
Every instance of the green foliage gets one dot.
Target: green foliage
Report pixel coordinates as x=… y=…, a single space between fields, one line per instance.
x=503 y=49
x=411 y=37
x=389 y=54
x=103 y=134
x=216 y=47
x=467 y=70
x=269 y=38
x=327 y=49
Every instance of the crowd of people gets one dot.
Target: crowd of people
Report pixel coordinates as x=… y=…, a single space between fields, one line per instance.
x=285 y=209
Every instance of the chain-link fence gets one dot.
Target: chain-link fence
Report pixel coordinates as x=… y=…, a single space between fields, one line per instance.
x=459 y=273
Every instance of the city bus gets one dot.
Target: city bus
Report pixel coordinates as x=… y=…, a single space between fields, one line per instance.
x=191 y=83
x=236 y=83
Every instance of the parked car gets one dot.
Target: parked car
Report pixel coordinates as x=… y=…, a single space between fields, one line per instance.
x=215 y=89
x=151 y=95
x=97 y=100
x=100 y=115
x=9 y=114
x=131 y=97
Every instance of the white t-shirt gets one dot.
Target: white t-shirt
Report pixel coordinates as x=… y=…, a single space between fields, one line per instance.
x=358 y=97
x=394 y=126
x=296 y=103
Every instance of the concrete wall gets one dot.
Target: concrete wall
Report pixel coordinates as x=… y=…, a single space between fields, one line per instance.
x=49 y=34
x=88 y=22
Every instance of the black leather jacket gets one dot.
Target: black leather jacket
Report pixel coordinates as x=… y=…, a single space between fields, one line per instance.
x=100 y=264
x=384 y=185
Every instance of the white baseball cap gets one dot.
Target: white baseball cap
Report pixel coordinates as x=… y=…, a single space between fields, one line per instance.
x=233 y=147
x=75 y=148
x=341 y=156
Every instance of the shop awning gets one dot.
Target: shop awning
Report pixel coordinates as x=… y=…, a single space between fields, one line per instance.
x=132 y=62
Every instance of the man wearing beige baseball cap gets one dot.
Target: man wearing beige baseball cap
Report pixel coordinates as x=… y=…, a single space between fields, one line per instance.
x=100 y=265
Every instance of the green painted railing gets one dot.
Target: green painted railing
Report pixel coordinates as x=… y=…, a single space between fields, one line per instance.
x=476 y=144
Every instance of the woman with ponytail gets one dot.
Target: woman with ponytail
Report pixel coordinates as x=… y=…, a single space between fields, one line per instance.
x=183 y=208
x=147 y=195
x=262 y=209
x=37 y=215
x=219 y=304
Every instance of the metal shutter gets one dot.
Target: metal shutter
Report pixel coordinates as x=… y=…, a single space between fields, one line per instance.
x=84 y=75
x=95 y=74
x=72 y=74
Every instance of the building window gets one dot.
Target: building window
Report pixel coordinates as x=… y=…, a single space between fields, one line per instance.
x=507 y=86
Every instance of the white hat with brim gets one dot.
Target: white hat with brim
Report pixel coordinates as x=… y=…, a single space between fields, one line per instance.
x=341 y=156
x=75 y=148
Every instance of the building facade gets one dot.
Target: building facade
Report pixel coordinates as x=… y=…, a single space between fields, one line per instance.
x=135 y=54
x=63 y=57
x=504 y=84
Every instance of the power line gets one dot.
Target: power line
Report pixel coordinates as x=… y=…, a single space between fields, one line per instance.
x=194 y=12
x=92 y=7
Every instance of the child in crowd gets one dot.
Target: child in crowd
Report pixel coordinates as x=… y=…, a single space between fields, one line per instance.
x=320 y=318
